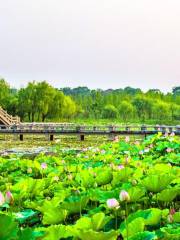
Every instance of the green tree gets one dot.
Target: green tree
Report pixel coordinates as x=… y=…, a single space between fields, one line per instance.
x=110 y=111
x=126 y=110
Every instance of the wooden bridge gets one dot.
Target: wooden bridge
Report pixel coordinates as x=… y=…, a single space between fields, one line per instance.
x=6 y=119
x=52 y=129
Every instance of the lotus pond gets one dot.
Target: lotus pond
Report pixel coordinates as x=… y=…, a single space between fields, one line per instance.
x=119 y=190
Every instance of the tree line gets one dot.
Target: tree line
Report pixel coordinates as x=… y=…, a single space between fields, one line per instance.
x=39 y=101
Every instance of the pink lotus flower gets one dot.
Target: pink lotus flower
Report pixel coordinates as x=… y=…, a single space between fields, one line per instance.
x=127 y=139
x=9 y=198
x=172 y=211
x=168 y=150
x=43 y=165
x=112 y=203
x=124 y=196
x=172 y=134
x=2 y=199
x=116 y=139
x=119 y=167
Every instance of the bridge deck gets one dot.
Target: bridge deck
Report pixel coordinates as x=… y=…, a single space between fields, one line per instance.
x=66 y=128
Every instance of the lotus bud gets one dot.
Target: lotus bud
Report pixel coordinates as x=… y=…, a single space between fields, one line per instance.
x=70 y=177
x=124 y=196
x=29 y=170
x=56 y=178
x=9 y=198
x=112 y=203
x=134 y=182
x=127 y=160
x=62 y=161
x=150 y=194
x=127 y=139
x=170 y=218
x=2 y=200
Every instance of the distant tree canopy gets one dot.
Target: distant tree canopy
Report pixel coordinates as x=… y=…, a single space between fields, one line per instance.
x=39 y=101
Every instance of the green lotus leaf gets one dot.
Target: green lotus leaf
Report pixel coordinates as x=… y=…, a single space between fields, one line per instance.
x=75 y=204
x=102 y=196
x=176 y=217
x=92 y=235
x=136 y=194
x=121 y=175
x=167 y=195
x=29 y=234
x=99 y=220
x=151 y=216
x=104 y=177
x=55 y=232
x=172 y=232
x=52 y=213
x=85 y=179
x=26 y=215
x=8 y=227
x=144 y=236
x=157 y=183
x=130 y=229
x=154 y=217
x=84 y=223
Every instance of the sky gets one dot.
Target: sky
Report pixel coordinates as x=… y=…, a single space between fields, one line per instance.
x=95 y=43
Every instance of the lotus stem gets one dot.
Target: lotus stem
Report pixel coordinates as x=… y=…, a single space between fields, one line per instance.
x=126 y=222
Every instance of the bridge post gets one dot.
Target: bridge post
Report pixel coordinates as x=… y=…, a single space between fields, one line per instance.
x=144 y=129
x=51 y=137
x=178 y=129
x=81 y=136
x=112 y=136
x=21 y=137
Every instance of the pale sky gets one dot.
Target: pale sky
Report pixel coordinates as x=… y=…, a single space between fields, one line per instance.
x=95 y=43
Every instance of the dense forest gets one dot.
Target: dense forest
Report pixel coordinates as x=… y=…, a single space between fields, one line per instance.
x=39 y=101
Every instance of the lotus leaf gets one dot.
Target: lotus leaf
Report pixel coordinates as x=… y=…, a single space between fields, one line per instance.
x=8 y=228
x=75 y=204
x=136 y=194
x=92 y=235
x=176 y=217
x=144 y=236
x=133 y=227
x=104 y=177
x=167 y=195
x=157 y=183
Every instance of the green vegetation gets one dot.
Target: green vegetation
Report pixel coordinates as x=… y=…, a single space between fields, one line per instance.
x=42 y=102
x=121 y=190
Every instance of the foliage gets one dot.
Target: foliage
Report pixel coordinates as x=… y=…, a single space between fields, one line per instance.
x=68 y=198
